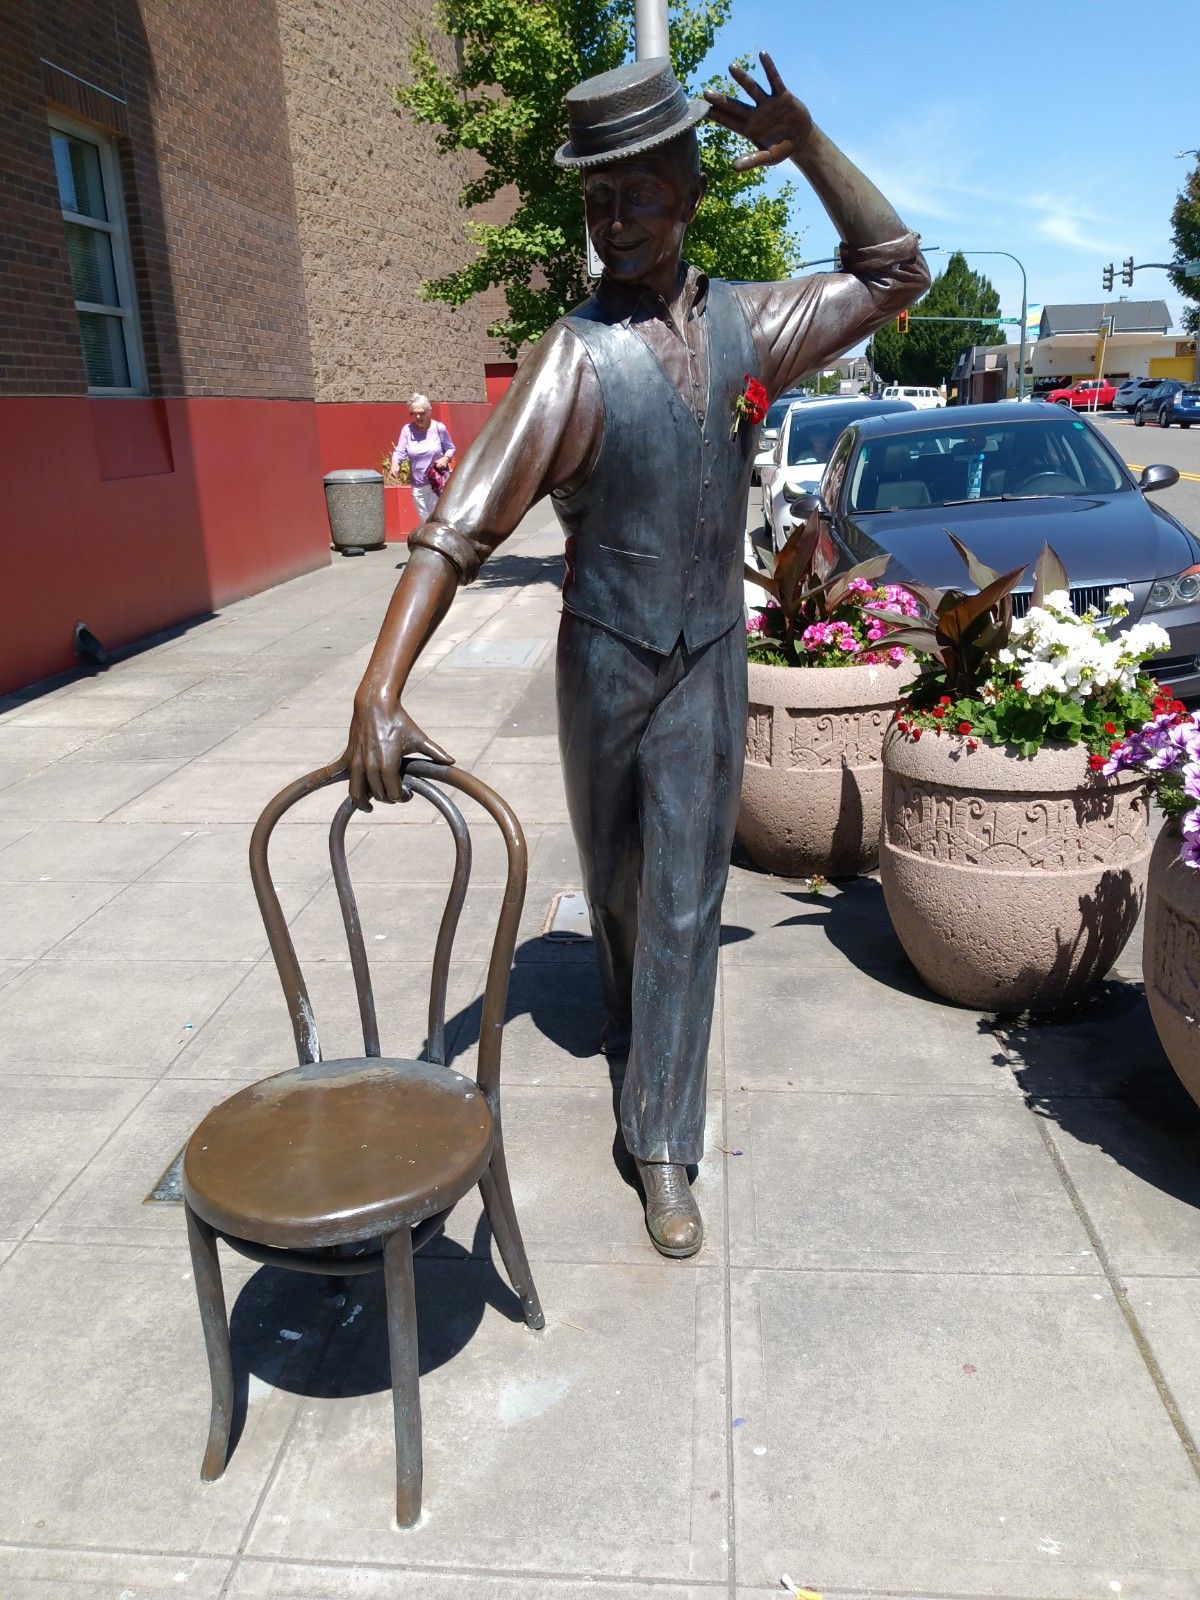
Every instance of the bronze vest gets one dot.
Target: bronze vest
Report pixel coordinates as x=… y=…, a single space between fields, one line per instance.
x=655 y=535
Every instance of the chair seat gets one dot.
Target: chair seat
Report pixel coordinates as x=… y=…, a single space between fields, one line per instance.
x=338 y=1151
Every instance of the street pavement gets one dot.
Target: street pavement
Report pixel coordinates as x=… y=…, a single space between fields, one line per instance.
x=940 y=1341
x=1178 y=447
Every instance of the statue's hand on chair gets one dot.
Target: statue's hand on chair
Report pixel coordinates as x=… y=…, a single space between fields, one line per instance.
x=381 y=738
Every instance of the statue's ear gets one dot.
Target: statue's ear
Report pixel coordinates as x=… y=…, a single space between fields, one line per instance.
x=700 y=191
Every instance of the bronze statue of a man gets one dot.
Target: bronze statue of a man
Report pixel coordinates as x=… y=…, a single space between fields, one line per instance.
x=625 y=414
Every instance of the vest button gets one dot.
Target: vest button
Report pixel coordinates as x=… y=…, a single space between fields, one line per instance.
x=707 y=483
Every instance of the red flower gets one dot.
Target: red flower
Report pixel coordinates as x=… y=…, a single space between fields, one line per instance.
x=1018 y=684
x=1095 y=762
x=750 y=406
x=964 y=727
x=944 y=700
x=972 y=744
x=1110 y=727
x=916 y=733
x=939 y=712
x=902 y=725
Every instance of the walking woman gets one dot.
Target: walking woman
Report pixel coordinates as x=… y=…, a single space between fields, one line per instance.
x=428 y=448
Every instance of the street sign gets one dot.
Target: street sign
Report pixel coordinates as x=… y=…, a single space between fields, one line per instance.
x=594 y=264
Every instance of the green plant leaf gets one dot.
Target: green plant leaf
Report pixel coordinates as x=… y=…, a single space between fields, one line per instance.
x=1049 y=574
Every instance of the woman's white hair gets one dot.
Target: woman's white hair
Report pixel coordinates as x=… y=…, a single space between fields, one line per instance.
x=421 y=402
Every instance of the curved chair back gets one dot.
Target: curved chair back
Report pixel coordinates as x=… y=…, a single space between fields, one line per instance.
x=427 y=779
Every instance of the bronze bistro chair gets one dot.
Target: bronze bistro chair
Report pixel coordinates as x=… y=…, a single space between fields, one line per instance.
x=348 y=1166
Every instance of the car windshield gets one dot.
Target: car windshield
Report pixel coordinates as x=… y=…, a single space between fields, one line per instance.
x=1001 y=461
x=810 y=441
x=776 y=413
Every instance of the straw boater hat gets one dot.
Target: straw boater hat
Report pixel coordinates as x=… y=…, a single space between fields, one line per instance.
x=621 y=113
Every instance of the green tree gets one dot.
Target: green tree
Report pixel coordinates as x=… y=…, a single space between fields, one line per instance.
x=504 y=103
x=1185 y=234
x=927 y=352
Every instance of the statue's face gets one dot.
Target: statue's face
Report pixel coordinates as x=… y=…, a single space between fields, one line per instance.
x=637 y=214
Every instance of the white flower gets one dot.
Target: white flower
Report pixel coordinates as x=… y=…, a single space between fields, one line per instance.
x=1118 y=597
x=1006 y=657
x=1144 y=639
x=1059 y=600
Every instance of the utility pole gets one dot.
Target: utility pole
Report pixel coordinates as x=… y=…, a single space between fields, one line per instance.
x=650 y=29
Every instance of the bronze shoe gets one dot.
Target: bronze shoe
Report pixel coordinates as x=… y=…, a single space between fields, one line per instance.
x=672 y=1215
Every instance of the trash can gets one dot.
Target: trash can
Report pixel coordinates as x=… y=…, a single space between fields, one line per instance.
x=354 y=498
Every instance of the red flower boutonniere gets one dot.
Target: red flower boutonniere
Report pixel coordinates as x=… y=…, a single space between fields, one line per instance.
x=750 y=406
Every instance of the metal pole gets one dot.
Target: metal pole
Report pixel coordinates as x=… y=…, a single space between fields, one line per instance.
x=650 y=29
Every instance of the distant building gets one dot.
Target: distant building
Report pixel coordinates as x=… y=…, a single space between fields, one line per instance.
x=215 y=228
x=1072 y=342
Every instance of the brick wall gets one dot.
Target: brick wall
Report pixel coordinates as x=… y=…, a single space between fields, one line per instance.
x=193 y=93
x=377 y=208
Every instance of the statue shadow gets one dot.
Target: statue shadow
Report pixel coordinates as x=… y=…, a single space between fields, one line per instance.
x=326 y=1338
x=518 y=571
x=557 y=987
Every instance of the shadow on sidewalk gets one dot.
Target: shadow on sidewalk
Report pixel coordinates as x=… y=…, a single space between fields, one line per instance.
x=516 y=571
x=1099 y=1072
x=342 y=1346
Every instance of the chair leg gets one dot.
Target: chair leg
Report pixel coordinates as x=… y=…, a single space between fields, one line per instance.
x=498 y=1203
x=406 y=1393
x=206 y=1269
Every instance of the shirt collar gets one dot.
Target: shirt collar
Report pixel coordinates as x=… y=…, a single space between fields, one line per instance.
x=623 y=303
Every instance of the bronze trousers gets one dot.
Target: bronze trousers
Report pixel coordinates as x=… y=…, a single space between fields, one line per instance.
x=652 y=753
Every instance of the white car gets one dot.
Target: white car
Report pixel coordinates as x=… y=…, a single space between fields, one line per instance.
x=770 y=431
x=803 y=449
x=921 y=399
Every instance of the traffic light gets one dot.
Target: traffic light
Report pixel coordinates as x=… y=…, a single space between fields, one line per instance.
x=1127 y=272
x=1107 y=279
x=902 y=322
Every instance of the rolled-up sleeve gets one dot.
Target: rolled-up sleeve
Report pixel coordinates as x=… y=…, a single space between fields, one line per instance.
x=803 y=323
x=541 y=437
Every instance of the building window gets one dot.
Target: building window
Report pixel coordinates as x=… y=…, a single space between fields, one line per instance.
x=89 y=192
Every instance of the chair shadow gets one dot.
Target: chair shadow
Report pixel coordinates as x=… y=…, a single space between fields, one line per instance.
x=326 y=1339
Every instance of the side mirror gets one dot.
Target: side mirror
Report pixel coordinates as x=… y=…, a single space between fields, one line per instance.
x=1158 y=476
x=802 y=506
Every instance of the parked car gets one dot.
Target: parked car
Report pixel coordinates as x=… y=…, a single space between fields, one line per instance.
x=769 y=431
x=1090 y=394
x=1006 y=479
x=1182 y=407
x=806 y=439
x=1131 y=392
x=1148 y=406
x=922 y=399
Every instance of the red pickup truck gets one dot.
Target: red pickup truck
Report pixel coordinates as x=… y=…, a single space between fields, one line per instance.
x=1091 y=394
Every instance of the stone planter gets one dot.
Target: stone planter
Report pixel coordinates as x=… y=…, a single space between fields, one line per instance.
x=1171 y=957
x=1013 y=883
x=812 y=790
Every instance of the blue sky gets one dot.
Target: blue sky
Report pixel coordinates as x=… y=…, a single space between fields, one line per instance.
x=1048 y=129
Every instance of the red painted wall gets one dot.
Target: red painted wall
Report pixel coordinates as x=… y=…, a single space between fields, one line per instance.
x=132 y=515
x=354 y=434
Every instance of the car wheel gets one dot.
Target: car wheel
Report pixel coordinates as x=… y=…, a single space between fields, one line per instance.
x=1139 y=420
x=1066 y=403
x=1164 y=420
x=1185 y=424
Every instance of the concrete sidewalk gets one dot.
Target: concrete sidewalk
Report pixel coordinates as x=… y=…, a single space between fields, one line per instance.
x=940 y=1341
